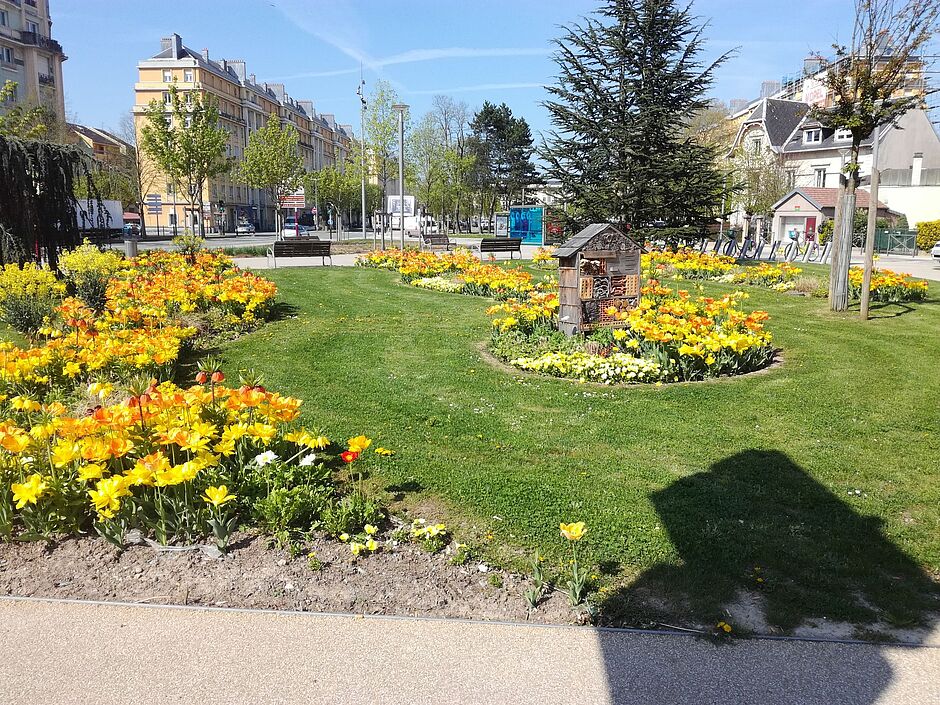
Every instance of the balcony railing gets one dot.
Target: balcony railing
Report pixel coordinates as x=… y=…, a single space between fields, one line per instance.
x=36 y=39
x=47 y=79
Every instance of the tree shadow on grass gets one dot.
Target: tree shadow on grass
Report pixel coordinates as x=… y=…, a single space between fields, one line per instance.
x=759 y=538
x=757 y=524
x=281 y=310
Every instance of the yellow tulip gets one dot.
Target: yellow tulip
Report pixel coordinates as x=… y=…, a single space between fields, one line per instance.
x=217 y=496
x=574 y=531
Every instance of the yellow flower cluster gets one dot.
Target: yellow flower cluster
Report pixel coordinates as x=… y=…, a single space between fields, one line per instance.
x=87 y=261
x=135 y=451
x=686 y=263
x=697 y=338
x=773 y=275
x=474 y=277
x=30 y=281
x=889 y=286
x=544 y=258
x=526 y=315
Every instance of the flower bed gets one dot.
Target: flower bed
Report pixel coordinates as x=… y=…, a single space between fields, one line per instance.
x=779 y=276
x=95 y=434
x=888 y=286
x=686 y=263
x=454 y=272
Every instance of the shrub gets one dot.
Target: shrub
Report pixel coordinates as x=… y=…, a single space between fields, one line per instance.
x=87 y=270
x=928 y=234
x=28 y=295
x=189 y=245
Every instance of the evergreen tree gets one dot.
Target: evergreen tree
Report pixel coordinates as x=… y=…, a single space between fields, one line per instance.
x=630 y=79
x=503 y=148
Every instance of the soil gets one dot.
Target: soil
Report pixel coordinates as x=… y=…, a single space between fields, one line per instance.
x=402 y=580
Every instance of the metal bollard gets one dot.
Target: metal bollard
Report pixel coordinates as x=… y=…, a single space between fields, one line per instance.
x=130 y=248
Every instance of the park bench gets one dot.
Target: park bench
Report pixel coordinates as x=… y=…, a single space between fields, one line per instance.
x=502 y=244
x=437 y=241
x=300 y=247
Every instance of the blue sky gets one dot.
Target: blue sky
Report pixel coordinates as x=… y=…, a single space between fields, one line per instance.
x=474 y=50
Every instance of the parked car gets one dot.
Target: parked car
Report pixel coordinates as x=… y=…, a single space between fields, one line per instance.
x=293 y=229
x=935 y=252
x=245 y=229
x=131 y=230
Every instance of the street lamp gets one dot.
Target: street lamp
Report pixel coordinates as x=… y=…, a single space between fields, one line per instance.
x=401 y=108
x=362 y=150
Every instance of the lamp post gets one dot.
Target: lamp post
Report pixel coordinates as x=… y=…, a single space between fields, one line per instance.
x=401 y=108
x=362 y=156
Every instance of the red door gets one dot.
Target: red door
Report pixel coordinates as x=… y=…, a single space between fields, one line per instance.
x=810 y=228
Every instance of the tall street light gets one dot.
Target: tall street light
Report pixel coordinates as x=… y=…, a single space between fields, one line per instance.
x=362 y=150
x=401 y=108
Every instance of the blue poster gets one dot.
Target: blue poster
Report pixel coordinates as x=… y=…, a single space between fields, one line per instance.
x=526 y=222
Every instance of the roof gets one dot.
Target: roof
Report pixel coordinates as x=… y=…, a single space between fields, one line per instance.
x=827 y=197
x=97 y=135
x=829 y=142
x=577 y=242
x=778 y=117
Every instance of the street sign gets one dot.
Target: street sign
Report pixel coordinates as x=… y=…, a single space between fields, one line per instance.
x=298 y=199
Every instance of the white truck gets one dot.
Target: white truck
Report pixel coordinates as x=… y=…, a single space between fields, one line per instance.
x=112 y=216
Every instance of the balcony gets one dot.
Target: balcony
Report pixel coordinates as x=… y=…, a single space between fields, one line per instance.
x=36 y=39
x=47 y=79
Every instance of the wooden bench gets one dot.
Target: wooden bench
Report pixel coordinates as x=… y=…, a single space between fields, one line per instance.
x=437 y=241
x=502 y=244
x=300 y=247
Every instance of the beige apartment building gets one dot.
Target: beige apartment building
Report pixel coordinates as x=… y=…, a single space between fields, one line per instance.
x=244 y=105
x=29 y=56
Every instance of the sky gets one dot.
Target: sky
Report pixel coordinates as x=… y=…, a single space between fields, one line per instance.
x=473 y=50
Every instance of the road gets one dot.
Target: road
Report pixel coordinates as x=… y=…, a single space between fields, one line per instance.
x=72 y=652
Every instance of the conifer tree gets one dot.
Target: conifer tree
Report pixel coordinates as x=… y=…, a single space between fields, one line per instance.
x=630 y=79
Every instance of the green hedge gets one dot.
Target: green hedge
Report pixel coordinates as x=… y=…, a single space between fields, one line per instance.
x=928 y=234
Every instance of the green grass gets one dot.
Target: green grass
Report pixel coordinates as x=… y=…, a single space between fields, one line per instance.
x=822 y=472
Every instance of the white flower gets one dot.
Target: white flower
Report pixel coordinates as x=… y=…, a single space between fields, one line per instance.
x=262 y=459
x=307 y=460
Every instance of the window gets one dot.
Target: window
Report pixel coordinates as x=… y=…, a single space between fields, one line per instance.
x=167 y=76
x=843 y=135
x=791 y=178
x=812 y=136
x=32 y=27
x=820 y=176
x=167 y=98
x=4 y=19
x=188 y=76
x=755 y=145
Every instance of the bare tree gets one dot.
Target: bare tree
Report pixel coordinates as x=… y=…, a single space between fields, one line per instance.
x=139 y=171
x=867 y=82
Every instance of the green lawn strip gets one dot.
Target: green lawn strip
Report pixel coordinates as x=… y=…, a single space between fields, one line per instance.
x=685 y=488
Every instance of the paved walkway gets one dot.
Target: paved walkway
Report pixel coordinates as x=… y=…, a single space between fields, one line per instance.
x=64 y=653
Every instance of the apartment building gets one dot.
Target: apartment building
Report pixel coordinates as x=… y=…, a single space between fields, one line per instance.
x=29 y=56
x=244 y=106
x=100 y=144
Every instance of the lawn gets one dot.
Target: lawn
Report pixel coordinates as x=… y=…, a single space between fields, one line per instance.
x=813 y=487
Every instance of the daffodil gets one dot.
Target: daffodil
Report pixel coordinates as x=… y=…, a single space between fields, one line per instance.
x=370 y=529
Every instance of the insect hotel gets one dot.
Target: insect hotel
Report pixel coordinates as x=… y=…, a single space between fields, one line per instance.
x=599 y=268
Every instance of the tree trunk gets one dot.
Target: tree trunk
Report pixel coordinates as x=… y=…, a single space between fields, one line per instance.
x=842 y=251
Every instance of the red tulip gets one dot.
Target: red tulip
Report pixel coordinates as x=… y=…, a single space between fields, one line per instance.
x=349 y=456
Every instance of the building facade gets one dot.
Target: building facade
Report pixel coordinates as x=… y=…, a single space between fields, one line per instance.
x=29 y=56
x=244 y=106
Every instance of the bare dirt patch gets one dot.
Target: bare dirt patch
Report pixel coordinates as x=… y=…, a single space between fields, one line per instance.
x=404 y=580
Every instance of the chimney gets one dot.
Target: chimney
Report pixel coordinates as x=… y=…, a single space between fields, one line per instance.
x=205 y=54
x=253 y=78
x=238 y=66
x=307 y=106
x=174 y=42
x=917 y=166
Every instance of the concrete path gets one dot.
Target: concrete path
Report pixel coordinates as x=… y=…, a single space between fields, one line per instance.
x=71 y=652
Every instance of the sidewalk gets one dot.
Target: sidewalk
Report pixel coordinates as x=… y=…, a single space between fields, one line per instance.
x=61 y=652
